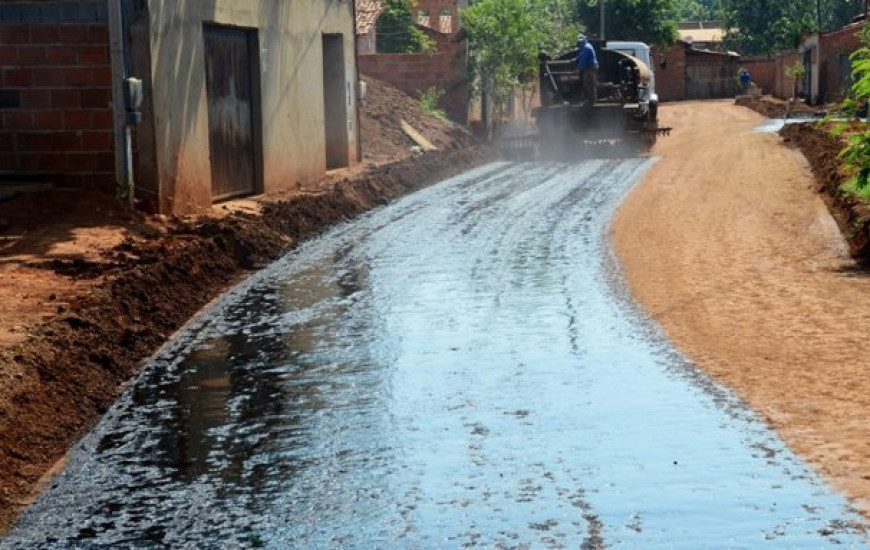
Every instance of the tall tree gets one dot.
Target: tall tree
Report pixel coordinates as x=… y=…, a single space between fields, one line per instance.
x=504 y=39
x=766 y=26
x=650 y=21
x=396 y=32
x=695 y=10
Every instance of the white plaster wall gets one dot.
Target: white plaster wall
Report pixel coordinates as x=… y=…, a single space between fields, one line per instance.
x=291 y=79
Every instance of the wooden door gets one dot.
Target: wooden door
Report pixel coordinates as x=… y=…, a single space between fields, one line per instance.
x=231 y=100
x=335 y=101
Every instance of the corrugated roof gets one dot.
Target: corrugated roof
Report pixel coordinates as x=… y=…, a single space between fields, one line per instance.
x=367 y=13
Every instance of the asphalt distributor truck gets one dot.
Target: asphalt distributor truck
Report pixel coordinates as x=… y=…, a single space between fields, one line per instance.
x=624 y=113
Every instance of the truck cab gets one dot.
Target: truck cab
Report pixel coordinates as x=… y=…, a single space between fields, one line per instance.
x=640 y=51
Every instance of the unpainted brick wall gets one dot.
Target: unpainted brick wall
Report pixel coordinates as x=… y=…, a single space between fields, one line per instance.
x=414 y=73
x=55 y=92
x=762 y=69
x=835 y=49
x=435 y=8
x=671 y=80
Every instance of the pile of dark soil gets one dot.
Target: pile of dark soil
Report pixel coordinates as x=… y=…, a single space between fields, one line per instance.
x=383 y=109
x=138 y=293
x=821 y=150
x=773 y=107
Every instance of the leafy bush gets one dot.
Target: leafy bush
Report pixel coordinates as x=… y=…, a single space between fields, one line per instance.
x=429 y=103
x=397 y=33
x=856 y=153
x=504 y=38
x=796 y=72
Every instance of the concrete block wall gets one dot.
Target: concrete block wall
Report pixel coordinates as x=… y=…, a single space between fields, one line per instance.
x=55 y=92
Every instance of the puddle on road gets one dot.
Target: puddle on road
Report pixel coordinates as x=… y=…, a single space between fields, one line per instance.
x=774 y=125
x=456 y=370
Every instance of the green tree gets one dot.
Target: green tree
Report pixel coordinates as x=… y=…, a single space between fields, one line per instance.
x=767 y=26
x=650 y=21
x=504 y=39
x=796 y=73
x=396 y=31
x=695 y=10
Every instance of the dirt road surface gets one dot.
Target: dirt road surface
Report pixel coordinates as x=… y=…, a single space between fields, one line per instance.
x=728 y=247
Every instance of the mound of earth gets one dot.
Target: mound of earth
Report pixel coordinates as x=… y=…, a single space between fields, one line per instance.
x=773 y=107
x=821 y=150
x=381 y=115
x=92 y=289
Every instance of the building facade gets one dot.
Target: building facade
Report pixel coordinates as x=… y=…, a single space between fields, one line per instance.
x=240 y=98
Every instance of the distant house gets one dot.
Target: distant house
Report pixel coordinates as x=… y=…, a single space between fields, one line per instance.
x=685 y=72
x=825 y=59
x=827 y=65
x=239 y=98
x=367 y=13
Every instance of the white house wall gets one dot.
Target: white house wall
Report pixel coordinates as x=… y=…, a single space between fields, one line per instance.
x=291 y=82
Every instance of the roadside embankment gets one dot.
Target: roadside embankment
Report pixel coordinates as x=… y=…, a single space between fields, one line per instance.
x=821 y=150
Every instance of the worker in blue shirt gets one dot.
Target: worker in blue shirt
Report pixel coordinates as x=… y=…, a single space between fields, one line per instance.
x=745 y=81
x=587 y=65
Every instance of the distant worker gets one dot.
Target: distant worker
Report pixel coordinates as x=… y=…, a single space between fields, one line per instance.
x=745 y=81
x=587 y=65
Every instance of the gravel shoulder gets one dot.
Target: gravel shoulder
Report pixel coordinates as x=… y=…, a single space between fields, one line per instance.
x=729 y=247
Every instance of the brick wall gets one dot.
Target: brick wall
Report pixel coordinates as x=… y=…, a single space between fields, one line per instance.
x=414 y=73
x=671 y=80
x=834 y=65
x=55 y=92
x=762 y=69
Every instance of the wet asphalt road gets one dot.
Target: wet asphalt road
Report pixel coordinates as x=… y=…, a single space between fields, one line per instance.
x=459 y=369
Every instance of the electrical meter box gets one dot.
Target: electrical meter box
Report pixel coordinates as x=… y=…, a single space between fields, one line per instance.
x=134 y=95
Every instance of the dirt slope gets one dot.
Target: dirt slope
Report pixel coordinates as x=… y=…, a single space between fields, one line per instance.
x=91 y=290
x=729 y=247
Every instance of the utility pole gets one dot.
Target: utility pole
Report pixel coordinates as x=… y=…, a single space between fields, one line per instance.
x=123 y=139
x=819 y=14
x=602 y=20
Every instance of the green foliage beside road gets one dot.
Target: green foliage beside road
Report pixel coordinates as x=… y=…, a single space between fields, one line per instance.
x=856 y=153
x=429 y=103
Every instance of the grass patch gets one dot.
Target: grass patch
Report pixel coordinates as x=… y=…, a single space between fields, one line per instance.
x=851 y=187
x=429 y=103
